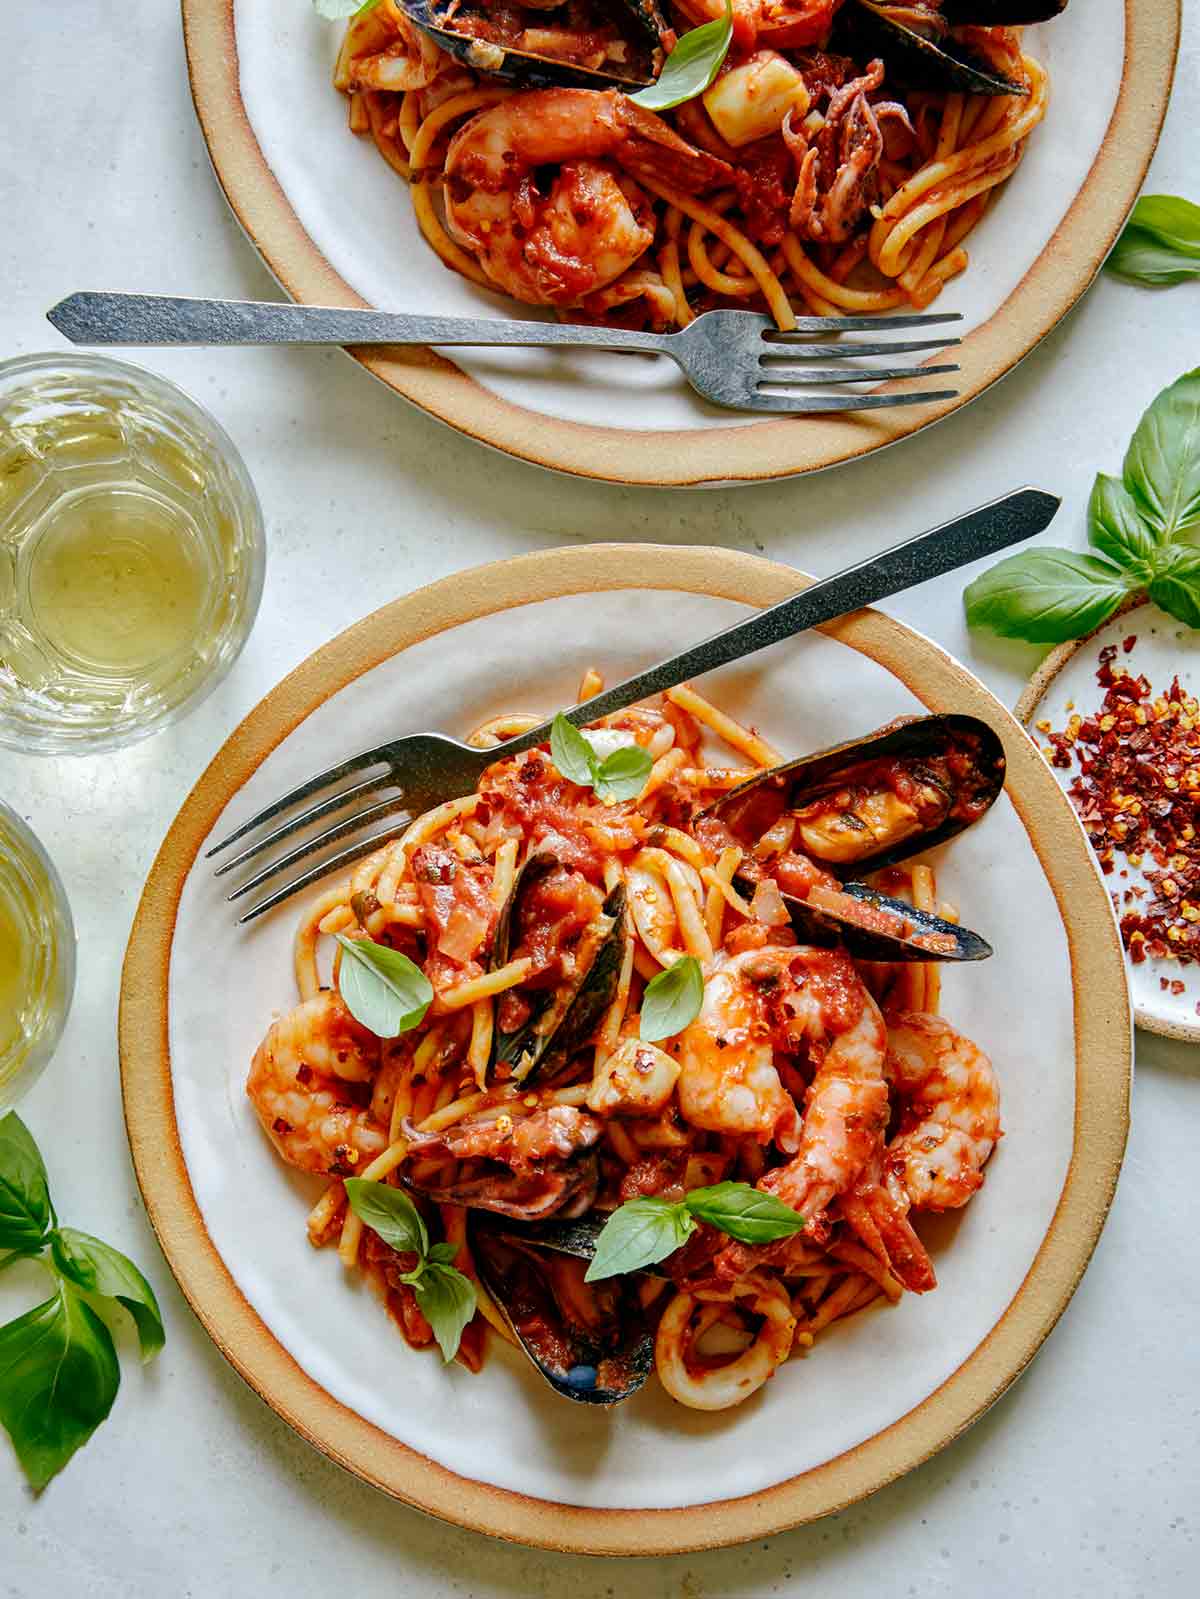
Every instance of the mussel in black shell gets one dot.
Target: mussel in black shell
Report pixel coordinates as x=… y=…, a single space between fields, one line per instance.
x=545 y=44
x=919 y=49
x=542 y=1024
x=859 y=807
x=590 y=1341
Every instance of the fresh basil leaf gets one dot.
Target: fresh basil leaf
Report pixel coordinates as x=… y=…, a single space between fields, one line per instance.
x=1046 y=595
x=337 y=10
x=101 y=1269
x=691 y=66
x=571 y=752
x=1142 y=257
x=442 y=1254
x=25 y=1209
x=58 y=1379
x=744 y=1212
x=1160 y=243
x=1116 y=528
x=389 y=1212
x=637 y=1235
x=447 y=1301
x=672 y=1000
x=622 y=775
x=1162 y=464
x=382 y=988
x=1177 y=589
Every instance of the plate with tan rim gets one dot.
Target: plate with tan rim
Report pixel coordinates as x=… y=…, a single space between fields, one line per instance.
x=1150 y=644
x=499 y=1451
x=333 y=224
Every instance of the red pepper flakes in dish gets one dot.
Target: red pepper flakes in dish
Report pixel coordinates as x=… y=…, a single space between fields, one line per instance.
x=1137 y=792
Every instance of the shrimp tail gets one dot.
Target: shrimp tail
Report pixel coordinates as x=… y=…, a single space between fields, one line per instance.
x=650 y=149
x=883 y=1227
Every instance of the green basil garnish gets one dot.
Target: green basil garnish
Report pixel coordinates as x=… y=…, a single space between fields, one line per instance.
x=645 y=1231
x=672 y=999
x=1160 y=244
x=745 y=1213
x=382 y=988
x=639 y=1234
x=1144 y=526
x=619 y=776
x=691 y=66
x=58 y=1366
x=446 y=1296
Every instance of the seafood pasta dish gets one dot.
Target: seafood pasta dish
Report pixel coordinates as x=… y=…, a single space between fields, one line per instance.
x=580 y=154
x=636 y=1061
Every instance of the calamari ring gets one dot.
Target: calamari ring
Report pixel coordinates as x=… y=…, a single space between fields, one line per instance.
x=721 y=1387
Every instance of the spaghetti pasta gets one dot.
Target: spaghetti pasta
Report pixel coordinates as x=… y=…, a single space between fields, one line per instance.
x=785 y=1071
x=849 y=194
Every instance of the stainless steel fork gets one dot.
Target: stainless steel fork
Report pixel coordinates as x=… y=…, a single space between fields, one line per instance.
x=736 y=359
x=422 y=769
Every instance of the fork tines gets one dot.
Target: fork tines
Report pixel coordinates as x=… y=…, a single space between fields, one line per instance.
x=786 y=369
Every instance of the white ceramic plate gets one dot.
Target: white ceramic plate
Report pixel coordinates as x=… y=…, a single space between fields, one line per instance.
x=877 y=1394
x=1066 y=684
x=335 y=224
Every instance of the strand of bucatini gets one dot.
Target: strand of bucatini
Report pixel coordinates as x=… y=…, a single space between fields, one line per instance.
x=789 y=1076
x=684 y=221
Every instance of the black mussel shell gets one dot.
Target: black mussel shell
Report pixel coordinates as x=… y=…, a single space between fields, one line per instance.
x=1000 y=13
x=590 y=1341
x=545 y=72
x=960 y=756
x=576 y=1237
x=544 y=1054
x=921 y=937
x=865 y=29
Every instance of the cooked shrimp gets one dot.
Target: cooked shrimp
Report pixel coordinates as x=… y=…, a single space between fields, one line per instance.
x=555 y=242
x=294 y=1085
x=846 y=1106
x=728 y=1082
x=951 y=1120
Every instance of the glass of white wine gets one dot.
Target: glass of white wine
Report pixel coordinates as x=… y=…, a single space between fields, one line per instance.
x=131 y=553
x=37 y=958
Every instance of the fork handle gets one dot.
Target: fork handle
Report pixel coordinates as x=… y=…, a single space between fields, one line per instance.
x=983 y=531
x=98 y=318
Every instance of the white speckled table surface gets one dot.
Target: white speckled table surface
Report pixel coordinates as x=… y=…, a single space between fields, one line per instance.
x=1085 y=1478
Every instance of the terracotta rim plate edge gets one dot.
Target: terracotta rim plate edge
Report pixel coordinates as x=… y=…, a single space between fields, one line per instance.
x=1025 y=710
x=1102 y=1070
x=752 y=452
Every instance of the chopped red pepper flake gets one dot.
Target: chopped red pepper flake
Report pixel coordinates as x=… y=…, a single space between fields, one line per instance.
x=1137 y=792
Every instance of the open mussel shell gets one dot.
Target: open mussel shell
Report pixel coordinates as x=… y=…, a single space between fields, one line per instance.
x=956 y=764
x=562 y=1020
x=590 y=1341
x=916 y=59
x=532 y=71
x=913 y=935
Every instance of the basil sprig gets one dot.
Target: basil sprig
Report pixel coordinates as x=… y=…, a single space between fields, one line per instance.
x=1160 y=244
x=58 y=1366
x=383 y=989
x=672 y=999
x=1143 y=526
x=620 y=776
x=445 y=1295
x=645 y=1231
x=691 y=66
x=338 y=10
